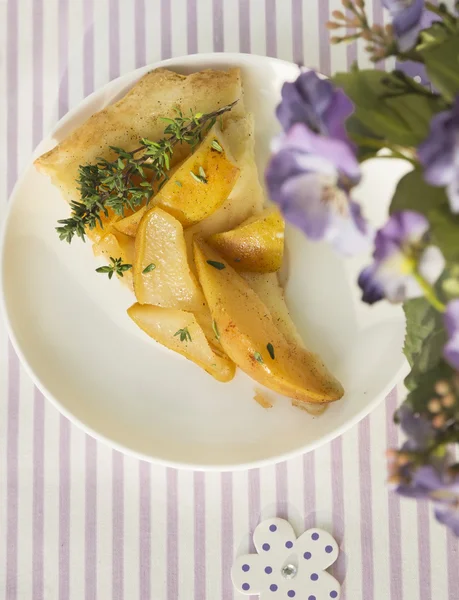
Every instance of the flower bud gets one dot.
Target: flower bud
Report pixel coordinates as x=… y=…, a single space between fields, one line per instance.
x=337 y=14
x=438 y=421
x=448 y=401
x=434 y=405
x=442 y=388
x=331 y=25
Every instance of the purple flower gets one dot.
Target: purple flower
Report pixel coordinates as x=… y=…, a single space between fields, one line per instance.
x=451 y=318
x=439 y=153
x=316 y=103
x=419 y=430
x=401 y=258
x=309 y=177
x=408 y=18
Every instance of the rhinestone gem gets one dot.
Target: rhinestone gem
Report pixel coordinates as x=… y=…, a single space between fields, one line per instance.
x=289 y=571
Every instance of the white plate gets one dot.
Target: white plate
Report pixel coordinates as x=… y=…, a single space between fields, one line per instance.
x=70 y=328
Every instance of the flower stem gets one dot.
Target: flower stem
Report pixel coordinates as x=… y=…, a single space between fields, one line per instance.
x=429 y=292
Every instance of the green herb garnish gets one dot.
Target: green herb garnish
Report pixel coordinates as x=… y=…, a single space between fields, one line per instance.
x=258 y=357
x=199 y=178
x=270 y=348
x=184 y=334
x=216 y=146
x=177 y=182
x=116 y=266
x=215 y=329
x=111 y=185
x=216 y=265
x=150 y=267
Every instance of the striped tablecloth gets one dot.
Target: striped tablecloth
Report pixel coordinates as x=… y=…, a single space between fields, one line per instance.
x=81 y=521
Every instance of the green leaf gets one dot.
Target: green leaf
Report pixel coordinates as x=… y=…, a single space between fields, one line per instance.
x=424 y=339
x=258 y=357
x=217 y=265
x=401 y=119
x=270 y=348
x=442 y=63
x=149 y=268
x=413 y=193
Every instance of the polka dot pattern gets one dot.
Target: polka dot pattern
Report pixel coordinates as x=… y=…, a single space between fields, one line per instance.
x=286 y=567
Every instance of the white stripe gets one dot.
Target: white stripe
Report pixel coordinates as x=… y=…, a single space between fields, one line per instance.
x=268 y=492
x=410 y=554
x=338 y=56
x=205 y=26
x=131 y=527
x=284 y=29
x=153 y=30
x=127 y=36
x=179 y=27
x=51 y=503
x=352 y=526
x=104 y=521
x=25 y=486
x=75 y=45
x=438 y=557
x=379 y=503
x=231 y=26
x=295 y=494
x=101 y=40
x=25 y=85
x=77 y=513
x=311 y=40
x=213 y=535
x=322 y=460
x=50 y=64
x=257 y=27
x=186 y=533
x=159 y=533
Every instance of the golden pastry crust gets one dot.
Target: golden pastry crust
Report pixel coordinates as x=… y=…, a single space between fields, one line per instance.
x=138 y=114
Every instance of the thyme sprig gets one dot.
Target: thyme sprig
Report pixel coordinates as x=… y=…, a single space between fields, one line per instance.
x=129 y=180
x=117 y=266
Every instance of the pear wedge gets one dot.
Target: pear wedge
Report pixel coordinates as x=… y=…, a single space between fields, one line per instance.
x=250 y=337
x=162 y=275
x=179 y=330
x=257 y=245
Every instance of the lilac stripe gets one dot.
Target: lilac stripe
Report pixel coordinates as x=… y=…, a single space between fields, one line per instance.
x=117 y=525
x=140 y=34
x=254 y=503
x=218 y=33
x=114 y=39
x=166 y=29
x=144 y=530
x=227 y=535
x=452 y=549
x=425 y=586
x=172 y=534
x=12 y=428
x=88 y=47
x=64 y=508
x=37 y=76
x=395 y=543
x=282 y=490
x=244 y=26
x=338 y=508
x=63 y=35
x=199 y=536
x=12 y=469
x=12 y=95
x=324 y=36
x=271 y=36
x=366 y=509
x=38 y=495
x=297 y=32
x=90 y=550
x=309 y=490
x=192 y=27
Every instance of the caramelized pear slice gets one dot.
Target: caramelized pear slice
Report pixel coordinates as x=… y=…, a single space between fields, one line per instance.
x=179 y=330
x=251 y=339
x=257 y=245
x=162 y=275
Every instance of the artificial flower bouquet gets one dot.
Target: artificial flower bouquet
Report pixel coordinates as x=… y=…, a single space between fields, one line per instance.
x=330 y=127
